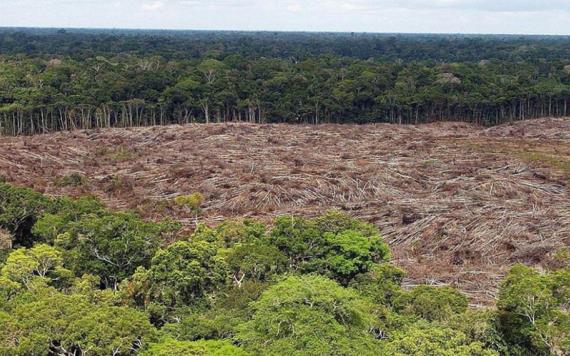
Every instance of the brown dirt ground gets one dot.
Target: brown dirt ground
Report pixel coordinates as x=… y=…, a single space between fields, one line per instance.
x=457 y=203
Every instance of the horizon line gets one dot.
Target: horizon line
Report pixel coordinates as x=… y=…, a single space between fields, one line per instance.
x=278 y=31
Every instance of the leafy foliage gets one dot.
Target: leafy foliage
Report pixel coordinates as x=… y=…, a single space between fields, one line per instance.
x=192 y=202
x=309 y=315
x=232 y=232
x=533 y=310
x=382 y=283
x=53 y=322
x=116 y=79
x=428 y=339
x=432 y=303
x=480 y=325
x=198 y=348
x=238 y=46
x=62 y=213
x=110 y=245
x=255 y=261
x=19 y=210
x=99 y=282
x=224 y=318
x=334 y=245
x=182 y=274
x=41 y=261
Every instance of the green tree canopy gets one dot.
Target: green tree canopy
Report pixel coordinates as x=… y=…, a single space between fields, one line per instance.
x=41 y=261
x=19 y=210
x=184 y=273
x=70 y=324
x=424 y=339
x=110 y=245
x=533 y=313
x=194 y=348
x=432 y=303
x=334 y=245
x=309 y=315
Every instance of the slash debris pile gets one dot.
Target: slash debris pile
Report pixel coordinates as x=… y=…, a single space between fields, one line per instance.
x=458 y=203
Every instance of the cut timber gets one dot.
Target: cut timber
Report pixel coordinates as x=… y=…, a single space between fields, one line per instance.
x=458 y=203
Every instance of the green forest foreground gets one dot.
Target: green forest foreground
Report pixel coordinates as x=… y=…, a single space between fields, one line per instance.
x=79 y=279
x=58 y=80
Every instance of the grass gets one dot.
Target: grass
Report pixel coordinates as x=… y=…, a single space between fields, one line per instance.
x=555 y=157
x=557 y=162
x=429 y=162
x=120 y=154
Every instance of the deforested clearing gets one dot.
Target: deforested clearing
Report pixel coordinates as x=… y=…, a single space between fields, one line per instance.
x=458 y=203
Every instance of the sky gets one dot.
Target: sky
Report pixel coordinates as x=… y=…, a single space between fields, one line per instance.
x=411 y=16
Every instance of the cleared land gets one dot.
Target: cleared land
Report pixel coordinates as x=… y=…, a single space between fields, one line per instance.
x=458 y=203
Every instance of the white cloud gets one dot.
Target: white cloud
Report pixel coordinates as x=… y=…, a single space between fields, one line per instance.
x=295 y=7
x=153 y=6
x=464 y=16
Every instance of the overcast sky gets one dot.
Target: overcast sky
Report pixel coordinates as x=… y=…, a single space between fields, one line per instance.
x=449 y=16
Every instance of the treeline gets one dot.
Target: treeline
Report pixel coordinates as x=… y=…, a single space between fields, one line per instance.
x=82 y=44
x=77 y=278
x=40 y=95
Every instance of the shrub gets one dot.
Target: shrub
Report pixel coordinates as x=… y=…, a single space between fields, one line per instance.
x=192 y=202
x=72 y=180
x=561 y=259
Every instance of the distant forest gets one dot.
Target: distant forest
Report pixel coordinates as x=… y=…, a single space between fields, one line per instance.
x=54 y=80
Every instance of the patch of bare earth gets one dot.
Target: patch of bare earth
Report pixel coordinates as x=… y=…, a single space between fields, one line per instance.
x=458 y=204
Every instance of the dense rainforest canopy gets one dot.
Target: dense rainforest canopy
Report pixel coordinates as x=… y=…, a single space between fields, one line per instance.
x=66 y=79
x=79 y=279
x=85 y=43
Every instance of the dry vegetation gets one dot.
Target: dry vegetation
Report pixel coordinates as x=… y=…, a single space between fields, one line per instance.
x=457 y=203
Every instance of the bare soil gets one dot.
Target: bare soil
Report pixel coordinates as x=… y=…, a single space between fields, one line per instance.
x=457 y=203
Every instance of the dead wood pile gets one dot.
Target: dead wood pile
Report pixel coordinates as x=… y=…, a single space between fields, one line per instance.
x=453 y=211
